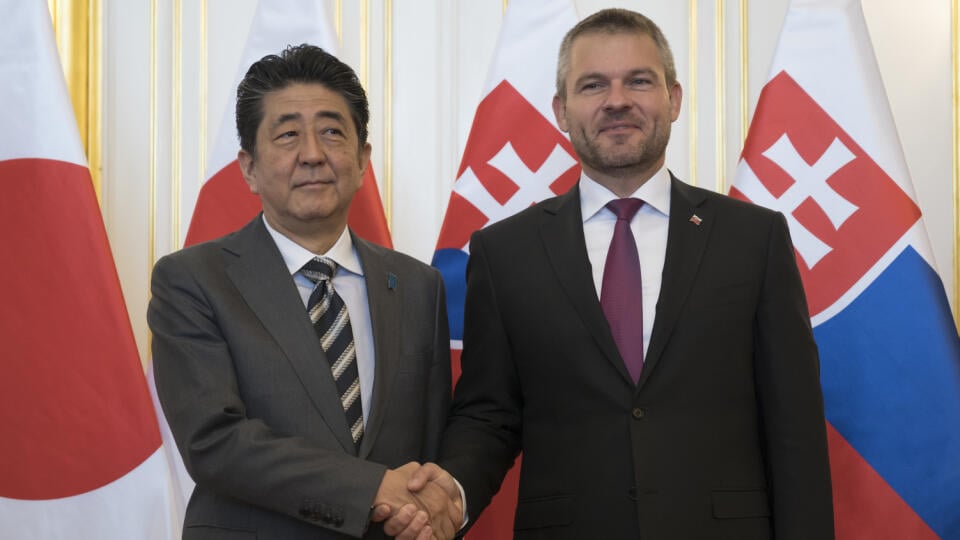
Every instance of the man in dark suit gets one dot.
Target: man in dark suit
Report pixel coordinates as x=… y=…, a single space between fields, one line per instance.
x=652 y=359
x=303 y=371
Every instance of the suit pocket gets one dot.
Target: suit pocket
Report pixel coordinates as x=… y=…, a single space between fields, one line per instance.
x=208 y=532
x=740 y=504
x=540 y=512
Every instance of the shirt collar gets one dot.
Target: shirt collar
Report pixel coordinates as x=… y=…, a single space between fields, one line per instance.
x=655 y=193
x=295 y=256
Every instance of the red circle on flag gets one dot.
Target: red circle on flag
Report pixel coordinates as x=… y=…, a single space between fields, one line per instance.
x=75 y=412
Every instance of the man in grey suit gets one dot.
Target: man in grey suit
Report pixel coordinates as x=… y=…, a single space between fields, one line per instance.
x=644 y=342
x=303 y=371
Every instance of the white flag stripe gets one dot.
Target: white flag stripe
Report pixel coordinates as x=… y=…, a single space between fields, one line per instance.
x=132 y=506
x=34 y=91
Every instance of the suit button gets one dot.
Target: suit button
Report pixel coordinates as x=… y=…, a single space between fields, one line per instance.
x=637 y=413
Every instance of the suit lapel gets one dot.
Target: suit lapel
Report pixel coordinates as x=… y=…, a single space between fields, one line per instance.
x=562 y=235
x=686 y=242
x=383 y=300
x=258 y=272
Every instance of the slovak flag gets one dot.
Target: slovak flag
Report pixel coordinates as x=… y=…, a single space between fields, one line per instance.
x=823 y=149
x=81 y=456
x=515 y=156
x=225 y=203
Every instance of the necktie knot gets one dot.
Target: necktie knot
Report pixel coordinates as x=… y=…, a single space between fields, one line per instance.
x=625 y=208
x=319 y=269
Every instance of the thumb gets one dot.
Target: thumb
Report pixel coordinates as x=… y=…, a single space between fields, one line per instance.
x=422 y=476
x=380 y=512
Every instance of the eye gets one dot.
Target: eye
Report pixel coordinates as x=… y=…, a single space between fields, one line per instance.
x=287 y=135
x=641 y=81
x=591 y=86
x=332 y=131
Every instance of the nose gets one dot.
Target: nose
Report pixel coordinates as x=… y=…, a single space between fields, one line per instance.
x=616 y=97
x=311 y=150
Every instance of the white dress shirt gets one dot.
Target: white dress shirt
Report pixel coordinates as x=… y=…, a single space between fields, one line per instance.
x=349 y=283
x=649 y=226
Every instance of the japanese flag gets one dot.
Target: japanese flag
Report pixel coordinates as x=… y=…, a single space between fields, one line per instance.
x=81 y=455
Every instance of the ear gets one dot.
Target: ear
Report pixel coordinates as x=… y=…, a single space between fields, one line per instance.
x=364 y=160
x=245 y=160
x=560 y=112
x=676 y=97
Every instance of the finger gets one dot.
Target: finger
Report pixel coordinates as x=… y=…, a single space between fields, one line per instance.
x=426 y=534
x=420 y=523
x=400 y=520
x=443 y=527
x=455 y=511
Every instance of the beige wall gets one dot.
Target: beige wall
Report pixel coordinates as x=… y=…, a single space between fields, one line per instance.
x=167 y=67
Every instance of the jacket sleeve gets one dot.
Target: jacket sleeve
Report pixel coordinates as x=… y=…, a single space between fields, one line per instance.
x=482 y=438
x=791 y=400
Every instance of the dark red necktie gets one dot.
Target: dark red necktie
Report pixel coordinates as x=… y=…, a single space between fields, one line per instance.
x=621 y=295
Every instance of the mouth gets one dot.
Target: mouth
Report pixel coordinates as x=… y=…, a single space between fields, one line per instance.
x=312 y=183
x=618 y=127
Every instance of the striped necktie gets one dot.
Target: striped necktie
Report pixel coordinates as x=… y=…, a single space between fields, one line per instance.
x=332 y=323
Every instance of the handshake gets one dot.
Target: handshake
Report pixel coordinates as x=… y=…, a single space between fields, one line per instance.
x=419 y=503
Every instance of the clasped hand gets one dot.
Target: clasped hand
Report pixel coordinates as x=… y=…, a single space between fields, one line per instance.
x=419 y=503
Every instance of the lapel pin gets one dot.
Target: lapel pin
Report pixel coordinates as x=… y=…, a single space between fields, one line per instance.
x=695 y=219
x=391 y=281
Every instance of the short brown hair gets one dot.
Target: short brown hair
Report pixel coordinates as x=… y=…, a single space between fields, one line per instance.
x=614 y=21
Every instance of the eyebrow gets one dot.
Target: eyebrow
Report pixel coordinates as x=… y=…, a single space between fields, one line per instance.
x=650 y=72
x=289 y=117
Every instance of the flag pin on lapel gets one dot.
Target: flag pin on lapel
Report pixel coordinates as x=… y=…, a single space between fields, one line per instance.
x=695 y=219
x=391 y=281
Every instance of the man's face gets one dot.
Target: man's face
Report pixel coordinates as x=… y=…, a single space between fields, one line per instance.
x=308 y=163
x=618 y=107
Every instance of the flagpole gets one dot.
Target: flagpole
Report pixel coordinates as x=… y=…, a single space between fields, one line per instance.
x=955 y=102
x=176 y=127
x=744 y=70
x=388 y=113
x=720 y=46
x=693 y=92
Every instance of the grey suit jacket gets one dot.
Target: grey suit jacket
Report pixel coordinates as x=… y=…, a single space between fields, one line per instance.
x=252 y=404
x=722 y=437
